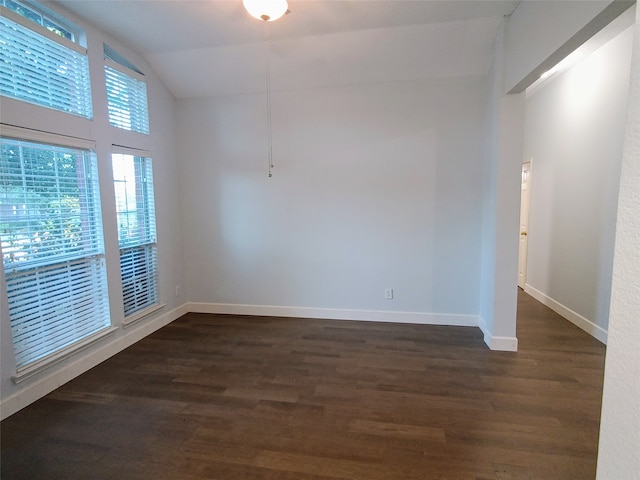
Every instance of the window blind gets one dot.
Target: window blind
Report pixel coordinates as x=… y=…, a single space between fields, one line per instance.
x=52 y=248
x=135 y=209
x=127 y=101
x=39 y=69
x=138 y=266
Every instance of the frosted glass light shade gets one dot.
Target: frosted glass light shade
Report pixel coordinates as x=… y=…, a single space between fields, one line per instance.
x=267 y=10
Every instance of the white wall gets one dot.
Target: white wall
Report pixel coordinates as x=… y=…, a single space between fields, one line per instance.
x=574 y=128
x=504 y=131
x=161 y=144
x=620 y=423
x=375 y=186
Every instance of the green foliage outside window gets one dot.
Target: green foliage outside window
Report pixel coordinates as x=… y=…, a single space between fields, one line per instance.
x=41 y=205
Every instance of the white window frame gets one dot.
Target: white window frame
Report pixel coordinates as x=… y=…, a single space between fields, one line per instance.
x=137 y=239
x=46 y=16
x=43 y=68
x=96 y=297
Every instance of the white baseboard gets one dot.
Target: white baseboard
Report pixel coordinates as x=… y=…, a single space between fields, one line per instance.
x=48 y=381
x=578 y=320
x=509 y=344
x=501 y=344
x=336 y=314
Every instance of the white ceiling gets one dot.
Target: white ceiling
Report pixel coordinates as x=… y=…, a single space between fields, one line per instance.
x=213 y=47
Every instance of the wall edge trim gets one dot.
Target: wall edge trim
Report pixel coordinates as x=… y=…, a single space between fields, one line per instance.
x=578 y=320
x=499 y=344
x=457 y=320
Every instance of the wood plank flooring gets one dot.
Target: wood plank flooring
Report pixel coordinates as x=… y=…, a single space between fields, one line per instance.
x=248 y=398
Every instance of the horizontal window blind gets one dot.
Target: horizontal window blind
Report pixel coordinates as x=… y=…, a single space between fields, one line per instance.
x=50 y=217
x=135 y=203
x=40 y=70
x=127 y=101
x=52 y=247
x=54 y=307
x=138 y=266
x=135 y=208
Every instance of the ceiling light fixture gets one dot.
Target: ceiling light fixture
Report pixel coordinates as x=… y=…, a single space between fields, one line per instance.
x=267 y=11
x=549 y=73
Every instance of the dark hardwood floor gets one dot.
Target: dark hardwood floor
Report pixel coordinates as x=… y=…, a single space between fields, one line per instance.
x=224 y=397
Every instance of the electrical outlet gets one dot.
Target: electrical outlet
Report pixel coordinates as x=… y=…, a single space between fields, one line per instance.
x=178 y=290
x=388 y=293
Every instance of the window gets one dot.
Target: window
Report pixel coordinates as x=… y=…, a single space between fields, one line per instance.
x=40 y=64
x=133 y=182
x=39 y=17
x=52 y=249
x=113 y=56
x=127 y=100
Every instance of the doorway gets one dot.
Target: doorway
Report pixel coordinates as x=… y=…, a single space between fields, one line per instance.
x=524 y=223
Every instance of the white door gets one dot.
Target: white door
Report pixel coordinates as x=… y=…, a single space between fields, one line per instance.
x=524 y=223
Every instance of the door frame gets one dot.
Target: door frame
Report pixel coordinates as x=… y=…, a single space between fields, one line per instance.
x=525 y=198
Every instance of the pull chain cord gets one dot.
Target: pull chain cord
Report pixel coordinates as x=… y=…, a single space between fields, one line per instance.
x=268 y=74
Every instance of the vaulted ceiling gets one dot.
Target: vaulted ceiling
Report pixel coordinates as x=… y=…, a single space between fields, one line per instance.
x=203 y=48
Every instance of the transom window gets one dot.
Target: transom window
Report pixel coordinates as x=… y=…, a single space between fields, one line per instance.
x=40 y=63
x=35 y=14
x=126 y=99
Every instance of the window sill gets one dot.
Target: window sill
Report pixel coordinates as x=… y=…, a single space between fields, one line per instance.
x=142 y=314
x=39 y=365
